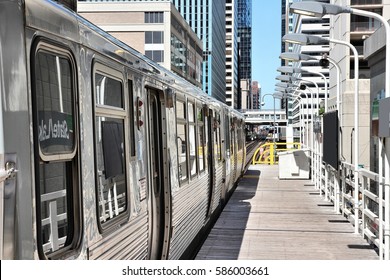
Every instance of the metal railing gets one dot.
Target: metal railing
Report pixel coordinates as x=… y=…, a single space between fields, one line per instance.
x=366 y=210
x=367 y=213
x=267 y=153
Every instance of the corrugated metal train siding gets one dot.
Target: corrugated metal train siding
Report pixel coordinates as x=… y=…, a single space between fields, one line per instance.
x=233 y=172
x=218 y=187
x=129 y=242
x=189 y=206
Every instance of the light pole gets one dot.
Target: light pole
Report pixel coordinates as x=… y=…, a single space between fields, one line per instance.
x=284 y=92
x=262 y=103
x=304 y=39
x=312 y=148
x=318 y=9
x=294 y=70
x=314 y=145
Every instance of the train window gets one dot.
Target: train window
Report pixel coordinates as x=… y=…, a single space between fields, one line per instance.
x=111 y=170
x=192 y=138
x=132 y=122
x=227 y=135
x=108 y=91
x=182 y=140
x=201 y=139
x=207 y=133
x=110 y=146
x=180 y=110
x=217 y=137
x=55 y=129
x=55 y=104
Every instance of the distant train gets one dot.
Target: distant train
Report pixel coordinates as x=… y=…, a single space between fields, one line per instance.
x=103 y=153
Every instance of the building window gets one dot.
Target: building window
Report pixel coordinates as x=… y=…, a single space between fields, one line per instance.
x=156 y=56
x=154 y=17
x=154 y=37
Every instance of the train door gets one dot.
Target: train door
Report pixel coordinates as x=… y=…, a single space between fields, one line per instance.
x=159 y=187
x=210 y=158
x=227 y=162
x=233 y=150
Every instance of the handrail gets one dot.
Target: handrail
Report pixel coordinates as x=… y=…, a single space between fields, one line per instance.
x=367 y=211
x=267 y=153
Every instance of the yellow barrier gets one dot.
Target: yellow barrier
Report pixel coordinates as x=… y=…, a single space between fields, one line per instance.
x=267 y=153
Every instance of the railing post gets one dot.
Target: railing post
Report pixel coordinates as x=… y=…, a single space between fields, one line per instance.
x=337 y=190
x=343 y=183
x=356 y=199
x=272 y=155
x=363 y=203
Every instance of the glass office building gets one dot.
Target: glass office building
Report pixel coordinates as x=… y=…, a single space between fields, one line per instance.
x=207 y=19
x=245 y=34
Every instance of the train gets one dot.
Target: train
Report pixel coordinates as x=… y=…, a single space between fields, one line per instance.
x=104 y=154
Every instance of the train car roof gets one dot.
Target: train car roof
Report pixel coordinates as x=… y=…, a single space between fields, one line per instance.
x=61 y=21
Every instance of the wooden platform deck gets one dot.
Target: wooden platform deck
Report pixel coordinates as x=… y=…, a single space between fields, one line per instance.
x=271 y=219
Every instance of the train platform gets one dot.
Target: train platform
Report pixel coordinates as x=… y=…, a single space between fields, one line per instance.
x=271 y=219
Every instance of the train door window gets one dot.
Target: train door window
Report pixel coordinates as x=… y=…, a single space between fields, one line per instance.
x=201 y=139
x=132 y=118
x=110 y=148
x=182 y=139
x=227 y=135
x=57 y=173
x=206 y=137
x=217 y=137
x=192 y=138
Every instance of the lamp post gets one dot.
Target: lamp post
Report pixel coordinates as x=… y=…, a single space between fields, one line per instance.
x=314 y=145
x=286 y=92
x=262 y=103
x=304 y=39
x=338 y=80
x=318 y=9
x=294 y=70
x=313 y=149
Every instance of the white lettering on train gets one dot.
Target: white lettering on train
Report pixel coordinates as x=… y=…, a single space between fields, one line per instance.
x=52 y=131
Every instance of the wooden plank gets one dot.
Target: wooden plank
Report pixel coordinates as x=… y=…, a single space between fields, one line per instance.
x=268 y=218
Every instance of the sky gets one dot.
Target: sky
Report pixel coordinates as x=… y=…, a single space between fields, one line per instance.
x=266 y=46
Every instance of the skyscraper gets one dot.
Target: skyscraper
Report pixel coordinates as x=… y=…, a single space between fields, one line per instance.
x=232 y=83
x=207 y=19
x=355 y=29
x=245 y=34
x=256 y=95
x=310 y=26
x=156 y=30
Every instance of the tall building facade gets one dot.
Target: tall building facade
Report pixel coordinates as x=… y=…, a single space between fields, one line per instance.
x=156 y=30
x=355 y=29
x=232 y=83
x=256 y=95
x=207 y=19
x=245 y=35
x=287 y=27
x=244 y=18
x=311 y=77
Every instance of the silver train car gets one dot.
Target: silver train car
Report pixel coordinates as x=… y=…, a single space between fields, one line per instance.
x=103 y=153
